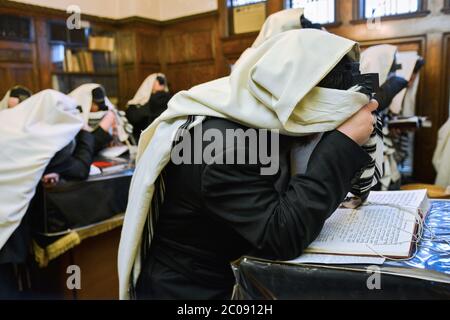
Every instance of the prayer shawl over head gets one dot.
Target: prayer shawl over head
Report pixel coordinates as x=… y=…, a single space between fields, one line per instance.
x=441 y=158
x=272 y=87
x=4 y=101
x=404 y=102
x=83 y=96
x=30 y=135
x=379 y=59
x=144 y=92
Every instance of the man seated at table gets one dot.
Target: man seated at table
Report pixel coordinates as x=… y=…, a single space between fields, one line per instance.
x=45 y=124
x=96 y=108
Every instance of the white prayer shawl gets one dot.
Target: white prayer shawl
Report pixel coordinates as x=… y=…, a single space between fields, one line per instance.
x=441 y=158
x=273 y=87
x=4 y=101
x=408 y=108
x=378 y=59
x=401 y=105
x=279 y=22
x=83 y=96
x=144 y=92
x=30 y=135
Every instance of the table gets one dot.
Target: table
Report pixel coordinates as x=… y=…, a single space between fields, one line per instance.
x=79 y=223
x=425 y=276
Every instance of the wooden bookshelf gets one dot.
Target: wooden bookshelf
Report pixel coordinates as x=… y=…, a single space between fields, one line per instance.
x=76 y=60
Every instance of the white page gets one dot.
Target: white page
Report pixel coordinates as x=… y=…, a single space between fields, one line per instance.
x=371 y=230
x=113 y=152
x=336 y=259
x=409 y=199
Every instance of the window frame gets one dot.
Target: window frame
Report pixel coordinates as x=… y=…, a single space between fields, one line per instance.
x=359 y=9
x=337 y=22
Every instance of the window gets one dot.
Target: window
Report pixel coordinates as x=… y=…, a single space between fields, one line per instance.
x=382 y=8
x=246 y=15
x=318 y=11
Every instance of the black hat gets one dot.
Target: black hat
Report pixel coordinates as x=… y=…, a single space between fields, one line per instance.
x=161 y=80
x=20 y=92
x=98 y=96
x=307 y=24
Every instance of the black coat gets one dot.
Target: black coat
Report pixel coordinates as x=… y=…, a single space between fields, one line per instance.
x=214 y=214
x=389 y=90
x=73 y=162
x=142 y=116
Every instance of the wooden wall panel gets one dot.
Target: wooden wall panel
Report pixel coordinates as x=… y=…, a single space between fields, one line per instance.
x=17 y=73
x=176 y=48
x=178 y=77
x=17 y=61
x=191 y=52
x=128 y=83
x=202 y=73
x=200 y=46
x=148 y=48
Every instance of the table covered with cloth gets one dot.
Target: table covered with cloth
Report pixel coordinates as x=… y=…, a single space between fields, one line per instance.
x=425 y=276
x=73 y=211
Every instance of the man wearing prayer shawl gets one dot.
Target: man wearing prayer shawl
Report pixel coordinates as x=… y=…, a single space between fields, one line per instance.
x=101 y=117
x=13 y=97
x=31 y=134
x=186 y=222
x=148 y=103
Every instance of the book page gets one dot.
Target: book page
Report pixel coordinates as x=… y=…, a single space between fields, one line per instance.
x=336 y=259
x=410 y=199
x=371 y=230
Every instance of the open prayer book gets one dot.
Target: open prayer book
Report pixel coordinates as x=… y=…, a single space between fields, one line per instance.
x=387 y=226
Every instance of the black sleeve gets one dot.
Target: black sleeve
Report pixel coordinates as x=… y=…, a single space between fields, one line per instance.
x=101 y=139
x=157 y=105
x=281 y=226
x=389 y=90
x=136 y=115
x=77 y=166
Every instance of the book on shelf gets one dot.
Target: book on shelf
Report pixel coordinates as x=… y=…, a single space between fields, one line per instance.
x=101 y=43
x=387 y=226
x=88 y=62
